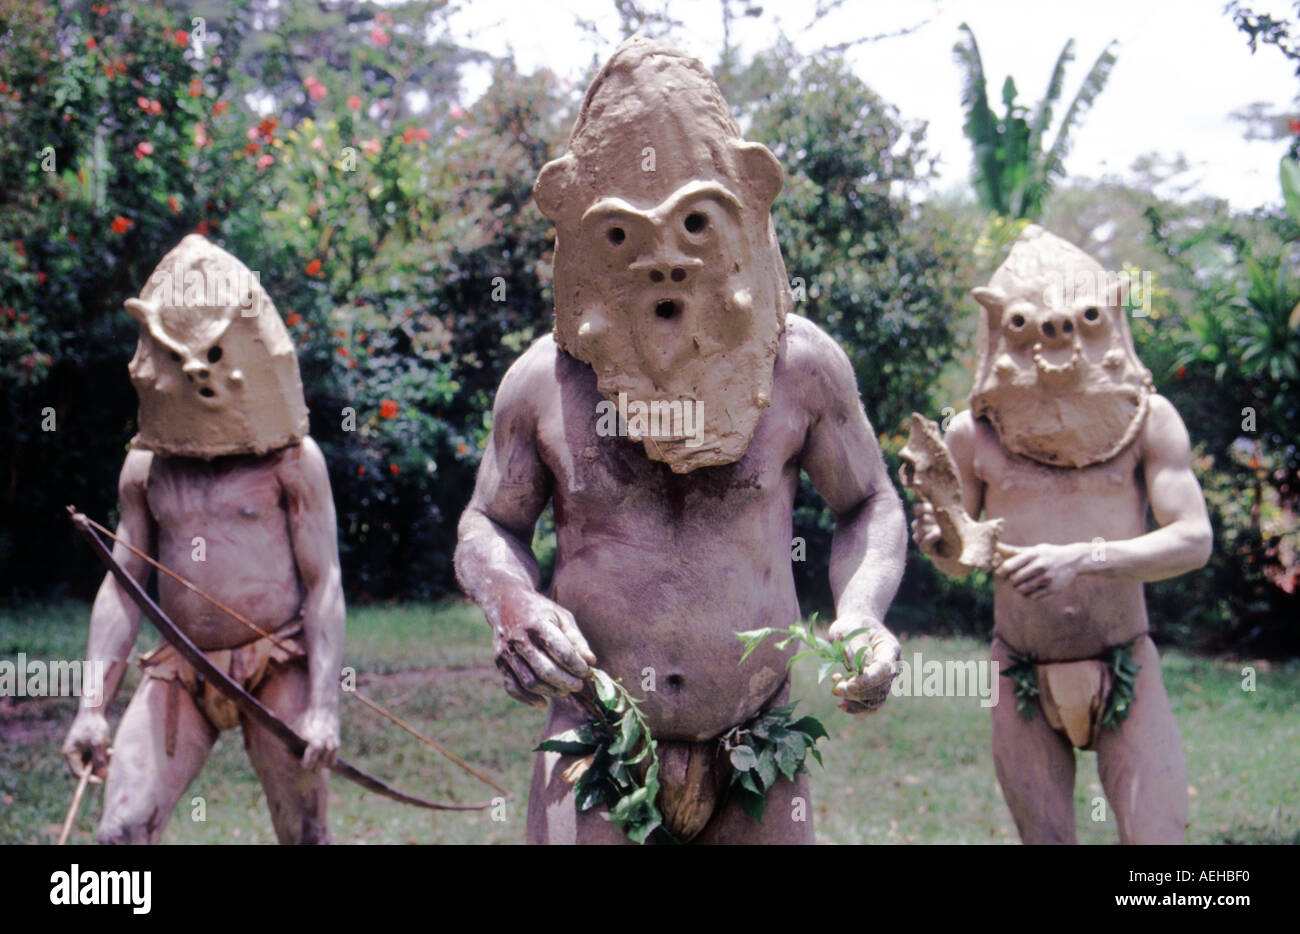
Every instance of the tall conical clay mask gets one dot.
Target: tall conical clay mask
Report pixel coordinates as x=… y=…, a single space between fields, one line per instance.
x=1056 y=373
x=669 y=281
x=214 y=369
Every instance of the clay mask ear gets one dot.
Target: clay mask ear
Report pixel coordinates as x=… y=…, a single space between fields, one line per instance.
x=992 y=301
x=552 y=183
x=144 y=313
x=761 y=173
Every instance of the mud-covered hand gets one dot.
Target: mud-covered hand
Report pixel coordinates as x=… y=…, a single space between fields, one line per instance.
x=866 y=692
x=1040 y=570
x=539 y=649
x=320 y=728
x=925 y=528
x=87 y=744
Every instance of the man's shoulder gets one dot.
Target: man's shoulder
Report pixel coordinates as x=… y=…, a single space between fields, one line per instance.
x=1164 y=432
x=135 y=471
x=531 y=384
x=813 y=366
x=806 y=345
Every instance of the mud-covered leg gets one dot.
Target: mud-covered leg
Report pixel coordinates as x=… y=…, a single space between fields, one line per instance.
x=1035 y=767
x=552 y=816
x=1141 y=763
x=144 y=783
x=297 y=797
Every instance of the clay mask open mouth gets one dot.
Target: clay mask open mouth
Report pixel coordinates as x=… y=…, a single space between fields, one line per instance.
x=667 y=309
x=1056 y=372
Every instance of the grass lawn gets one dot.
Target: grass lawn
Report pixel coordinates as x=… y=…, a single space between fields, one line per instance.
x=919 y=771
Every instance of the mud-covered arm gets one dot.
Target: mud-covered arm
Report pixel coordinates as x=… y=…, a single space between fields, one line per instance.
x=869 y=547
x=1181 y=544
x=1184 y=539
x=536 y=643
x=313 y=532
x=114 y=617
x=494 y=556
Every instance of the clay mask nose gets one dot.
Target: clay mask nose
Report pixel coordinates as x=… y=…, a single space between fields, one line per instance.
x=195 y=371
x=1056 y=329
x=670 y=271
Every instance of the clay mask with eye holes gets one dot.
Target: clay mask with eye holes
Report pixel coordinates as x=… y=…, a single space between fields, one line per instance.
x=214 y=376
x=668 y=279
x=1056 y=374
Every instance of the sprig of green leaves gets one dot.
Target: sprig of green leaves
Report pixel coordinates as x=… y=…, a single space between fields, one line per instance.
x=832 y=652
x=764 y=746
x=623 y=773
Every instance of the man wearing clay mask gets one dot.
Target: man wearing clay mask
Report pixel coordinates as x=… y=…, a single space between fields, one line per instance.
x=673 y=530
x=1067 y=443
x=224 y=486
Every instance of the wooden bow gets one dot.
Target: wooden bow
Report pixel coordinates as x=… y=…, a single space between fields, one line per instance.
x=247 y=704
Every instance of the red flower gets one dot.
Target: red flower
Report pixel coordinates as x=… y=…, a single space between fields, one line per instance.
x=40 y=280
x=341 y=333
x=462 y=449
x=361 y=470
x=196 y=88
x=181 y=38
x=388 y=409
x=383 y=19
x=219 y=108
x=72 y=238
x=173 y=204
x=409 y=135
x=100 y=9
x=108 y=72
x=142 y=103
x=266 y=127
x=354 y=102
x=292 y=318
x=315 y=90
x=202 y=228
x=395 y=469
x=91 y=44
x=265 y=161
x=143 y=148
x=422 y=134
x=379 y=37
x=344 y=352
x=121 y=224
x=313 y=267
x=1295 y=126
x=1182 y=371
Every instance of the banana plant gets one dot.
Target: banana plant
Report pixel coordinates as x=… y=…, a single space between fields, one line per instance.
x=1013 y=171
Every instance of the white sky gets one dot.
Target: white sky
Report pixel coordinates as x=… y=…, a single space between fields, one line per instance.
x=1183 y=68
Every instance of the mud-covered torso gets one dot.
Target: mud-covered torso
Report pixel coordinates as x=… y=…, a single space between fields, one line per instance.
x=223 y=525
x=661 y=569
x=1101 y=503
